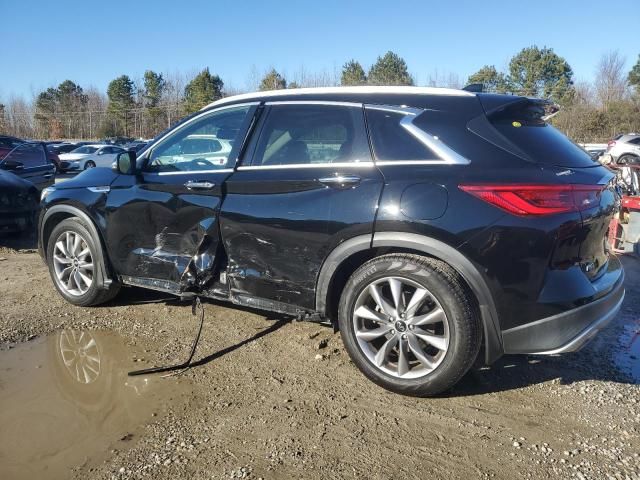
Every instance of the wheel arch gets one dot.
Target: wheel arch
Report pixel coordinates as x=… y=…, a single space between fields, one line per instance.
x=345 y=258
x=57 y=213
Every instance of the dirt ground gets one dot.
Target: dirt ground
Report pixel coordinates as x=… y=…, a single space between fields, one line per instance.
x=271 y=398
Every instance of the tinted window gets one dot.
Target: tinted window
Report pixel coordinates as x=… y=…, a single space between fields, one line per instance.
x=393 y=142
x=635 y=141
x=308 y=134
x=10 y=142
x=29 y=154
x=522 y=124
x=204 y=144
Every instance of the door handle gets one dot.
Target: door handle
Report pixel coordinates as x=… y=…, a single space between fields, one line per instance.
x=341 y=181
x=193 y=185
x=48 y=175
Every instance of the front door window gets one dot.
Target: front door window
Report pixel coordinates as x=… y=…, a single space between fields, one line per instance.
x=205 y=144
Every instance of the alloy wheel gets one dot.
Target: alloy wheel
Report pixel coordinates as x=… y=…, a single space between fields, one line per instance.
x=401 y=327
x=73 y=263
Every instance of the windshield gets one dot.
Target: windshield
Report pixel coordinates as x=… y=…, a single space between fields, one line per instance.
x=85 y=150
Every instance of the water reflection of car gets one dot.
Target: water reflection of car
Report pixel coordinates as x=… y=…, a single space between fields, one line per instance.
x=89 y=369
x=89 y=156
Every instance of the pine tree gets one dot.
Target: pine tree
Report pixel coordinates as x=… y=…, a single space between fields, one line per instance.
x=202 y=90
x=390 y=69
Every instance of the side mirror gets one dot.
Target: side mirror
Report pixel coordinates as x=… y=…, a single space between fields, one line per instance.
x=125 y=163
x=12 y=165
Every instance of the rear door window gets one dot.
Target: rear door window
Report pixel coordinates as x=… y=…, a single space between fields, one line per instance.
x=522 y=124
x=300 y=134
x=391 y=140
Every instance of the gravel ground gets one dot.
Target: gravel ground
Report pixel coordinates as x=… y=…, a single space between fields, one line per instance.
x=278 y=399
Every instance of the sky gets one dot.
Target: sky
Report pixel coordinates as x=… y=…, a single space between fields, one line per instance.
x=45 y=42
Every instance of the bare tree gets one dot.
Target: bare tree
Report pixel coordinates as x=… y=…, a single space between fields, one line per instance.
x=611 y=79
x=253 y=79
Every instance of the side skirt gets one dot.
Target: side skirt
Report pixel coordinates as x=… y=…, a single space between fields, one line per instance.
x=220 y=292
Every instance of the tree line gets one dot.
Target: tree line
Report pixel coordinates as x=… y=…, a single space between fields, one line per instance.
x=591 y=112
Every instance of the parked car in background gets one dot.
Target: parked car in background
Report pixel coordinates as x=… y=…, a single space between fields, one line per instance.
x=19 y=200
x=7 y=144
x=54 y=158
x=31 y=162
x=89 y=156
x=121 y=141
x=64 y=147
x=424 y=223
x=625 y=149
x=136 y=146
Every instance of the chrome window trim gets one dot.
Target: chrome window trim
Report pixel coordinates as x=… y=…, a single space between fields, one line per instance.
x=447 y=155
x=308 y=165
x=316 y=102
x=193 y=172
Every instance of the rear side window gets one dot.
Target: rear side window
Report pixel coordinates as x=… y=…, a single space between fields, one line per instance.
x=635 y=141
x=300 y=134
x=522 y=124
x=391 y=140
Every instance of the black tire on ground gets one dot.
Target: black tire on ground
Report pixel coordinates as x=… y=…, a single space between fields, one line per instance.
x=89 y=164
x=448 y=289
x=96 y=293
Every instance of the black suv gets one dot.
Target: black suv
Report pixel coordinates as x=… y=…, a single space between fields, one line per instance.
x=426 y=224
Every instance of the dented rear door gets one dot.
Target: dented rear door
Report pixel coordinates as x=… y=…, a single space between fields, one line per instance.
x=306 y=184
x=162 y=225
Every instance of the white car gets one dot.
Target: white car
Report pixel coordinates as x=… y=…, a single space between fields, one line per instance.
x=89 y=156
x=197 y=147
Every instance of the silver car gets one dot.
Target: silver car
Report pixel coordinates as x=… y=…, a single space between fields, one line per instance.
x=89 y=156
x=625 y=149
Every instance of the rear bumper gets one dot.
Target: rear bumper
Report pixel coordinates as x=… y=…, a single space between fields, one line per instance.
x=568 y=331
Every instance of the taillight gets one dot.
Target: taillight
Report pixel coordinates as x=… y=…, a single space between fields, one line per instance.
x=537 y=199
x=610 y=144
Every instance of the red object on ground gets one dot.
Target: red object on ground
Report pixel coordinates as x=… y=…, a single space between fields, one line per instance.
x=631 y=203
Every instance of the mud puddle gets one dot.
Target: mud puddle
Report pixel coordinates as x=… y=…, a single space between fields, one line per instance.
x=627 y=356
x=66 y=401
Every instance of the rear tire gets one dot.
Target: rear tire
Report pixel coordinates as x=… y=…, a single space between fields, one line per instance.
x=76 y=264
x=431 y=337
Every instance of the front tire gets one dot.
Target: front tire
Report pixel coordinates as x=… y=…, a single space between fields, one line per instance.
x=76 y=266
x=89 y=165
x=410 y=324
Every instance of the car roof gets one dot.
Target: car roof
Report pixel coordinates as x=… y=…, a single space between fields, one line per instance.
x=357 y=93
x=628 y=136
